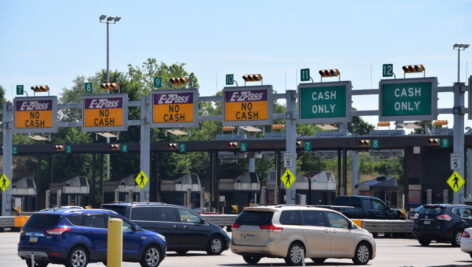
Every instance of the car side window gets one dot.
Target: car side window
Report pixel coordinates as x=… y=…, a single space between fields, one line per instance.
x=126 y=225
x=141 y=214
x=337 y=221
x=313 y=218
x=96 y=220
x=187 y=216
x=378 y=205
x=291 y=217
x=366 y=204
x=166 y=214
x=76 y=220
x=466 y=213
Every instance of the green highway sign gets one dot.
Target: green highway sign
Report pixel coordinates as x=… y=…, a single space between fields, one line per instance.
x=408 y=99
x=124 y=148
x=20 y=89
x=375 y=143
x=229 y=79
x=157 y=82
x=324 y=102
x=307 y=146
x=243 y=147
x=182 y=148
x=387 y=70
x=444 y=142
x=304 y=75
x=88 y=88
x=68 y=149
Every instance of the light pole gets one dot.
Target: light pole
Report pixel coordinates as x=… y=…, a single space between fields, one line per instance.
x=108 y=20
x=458 y=111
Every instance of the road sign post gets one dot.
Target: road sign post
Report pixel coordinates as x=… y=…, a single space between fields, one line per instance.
x=290 y=143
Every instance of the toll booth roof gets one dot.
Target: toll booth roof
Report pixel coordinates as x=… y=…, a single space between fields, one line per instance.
x=122 y=184
x=381 y=183
x=24 y=187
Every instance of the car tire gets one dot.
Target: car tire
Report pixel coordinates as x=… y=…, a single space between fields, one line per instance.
x=456 y=238
x=152 y=256
x=36 y=263
x=181 y=251
x=215 y=246
x=470 y=255
x=362 y=254
x=318 y=260
x=78 y=257
x=424 y=242
x=295 y=255
x=251 y=259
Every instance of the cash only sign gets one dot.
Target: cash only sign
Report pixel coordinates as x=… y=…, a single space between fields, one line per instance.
x=250 y=105
x=105 y=112
x=174 y=108
x=35 y=114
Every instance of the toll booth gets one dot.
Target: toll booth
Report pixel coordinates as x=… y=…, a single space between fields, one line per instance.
x=176 y=190
x=73 y=192
x=242 y=191
x=385 y=188
x=271 y=187
x=123 y=189
x=24 y=194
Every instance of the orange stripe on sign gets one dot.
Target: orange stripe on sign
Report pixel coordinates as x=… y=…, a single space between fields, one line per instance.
x=246 y=111
x=33 y=119
x=172 y=113
x=112 y=117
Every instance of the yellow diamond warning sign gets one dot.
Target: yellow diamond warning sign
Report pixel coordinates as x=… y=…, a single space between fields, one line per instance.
x=288 y=178
x=141 y=180
x=455 y=181
x=4 y=183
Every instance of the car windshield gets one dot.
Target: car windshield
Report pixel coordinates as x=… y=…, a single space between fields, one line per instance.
x=118 y=209
x=255 y=218
x=41 y=220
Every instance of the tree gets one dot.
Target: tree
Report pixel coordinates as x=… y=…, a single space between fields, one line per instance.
x=359 y=126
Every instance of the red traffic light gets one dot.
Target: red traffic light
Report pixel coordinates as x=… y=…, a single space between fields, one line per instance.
x=172 y=146
x=59 y=148
x=233 y=144
x=183 y=80
x=110 y=86
x=413 y=68
x=252 y=77
x=364 y=142
x=433 y=141
x=329 y=73
x=40 y=88
x=115 y=147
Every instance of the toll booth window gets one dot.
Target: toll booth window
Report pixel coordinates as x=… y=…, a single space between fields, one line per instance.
x=313 y=218
x=291 y=217
x=142 y=214
x=96 y=221
x=165 y=214
x=42 y=221
x=337 y=221
x=187 y=216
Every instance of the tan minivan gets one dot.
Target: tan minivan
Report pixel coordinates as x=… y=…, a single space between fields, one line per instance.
x=296 y=232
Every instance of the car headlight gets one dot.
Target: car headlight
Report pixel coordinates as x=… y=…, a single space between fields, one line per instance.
x=161 y=236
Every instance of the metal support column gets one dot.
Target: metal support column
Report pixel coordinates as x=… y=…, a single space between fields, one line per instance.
x=145 y=144
x=339 y=188
x=344 y=171
x=277 y=178
x=102 y=194
x=355 y=172
x=458 y=111
x=214 y=180
x=468 y=184
x=290 y=143
x=7 y=155
x=93 y=186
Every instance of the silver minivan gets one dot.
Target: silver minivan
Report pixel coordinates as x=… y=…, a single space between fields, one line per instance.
x=298 y=232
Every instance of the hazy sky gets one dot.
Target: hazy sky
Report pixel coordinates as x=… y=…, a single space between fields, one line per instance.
x=52 y=42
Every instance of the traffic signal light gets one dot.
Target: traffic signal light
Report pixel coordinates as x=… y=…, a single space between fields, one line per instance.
x=40 y=88
x=364 y=143
x=110 y=86
x=329 y=73
x=413 y=68
x=299 y=144
x=175 y=81
x=59 y=148
x=115 y=147
x=433 y=142
x=173 y=146
x=252 y=77
x=233 y=144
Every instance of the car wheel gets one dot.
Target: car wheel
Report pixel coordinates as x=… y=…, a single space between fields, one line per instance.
x=78 y=257
x=362 y=254
x=151 y=257
x=424 y=242
x=181 y=251
x=456 y=238
x=296 y=255
x=470 y=255
x=215 y=246
x=318 y=260
x=36 y=263
x=251 y=259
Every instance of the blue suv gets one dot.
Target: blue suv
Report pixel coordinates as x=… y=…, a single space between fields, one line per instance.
x=75 y=237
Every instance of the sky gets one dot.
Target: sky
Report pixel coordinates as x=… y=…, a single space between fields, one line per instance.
x=52 y=42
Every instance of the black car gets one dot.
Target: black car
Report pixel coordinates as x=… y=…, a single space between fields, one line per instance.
x=442 y=223
x=365 y=207
x=184 y=230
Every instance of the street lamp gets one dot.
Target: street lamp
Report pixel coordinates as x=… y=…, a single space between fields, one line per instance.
x=108 y=20
x=459 y=47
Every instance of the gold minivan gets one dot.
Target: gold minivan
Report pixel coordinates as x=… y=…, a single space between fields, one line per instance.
x=297 y=232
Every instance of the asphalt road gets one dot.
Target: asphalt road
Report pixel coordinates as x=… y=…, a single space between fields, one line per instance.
x=390 y=252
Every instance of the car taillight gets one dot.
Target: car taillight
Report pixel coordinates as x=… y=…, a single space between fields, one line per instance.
x=235 y=226
x=270 y=227
x=465 y=234
x=444 y=217
x=59 y=230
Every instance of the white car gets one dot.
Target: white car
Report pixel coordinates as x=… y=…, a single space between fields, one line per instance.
x=466 y=241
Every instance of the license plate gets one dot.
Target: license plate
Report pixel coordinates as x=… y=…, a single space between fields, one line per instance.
x=248 y=237
x=427 y=222
x=33 y=239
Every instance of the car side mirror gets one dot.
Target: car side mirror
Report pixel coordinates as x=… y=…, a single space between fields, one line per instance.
x=202 y=221
x=135 y=228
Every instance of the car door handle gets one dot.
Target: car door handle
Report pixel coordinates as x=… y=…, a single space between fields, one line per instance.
x=174 y=226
